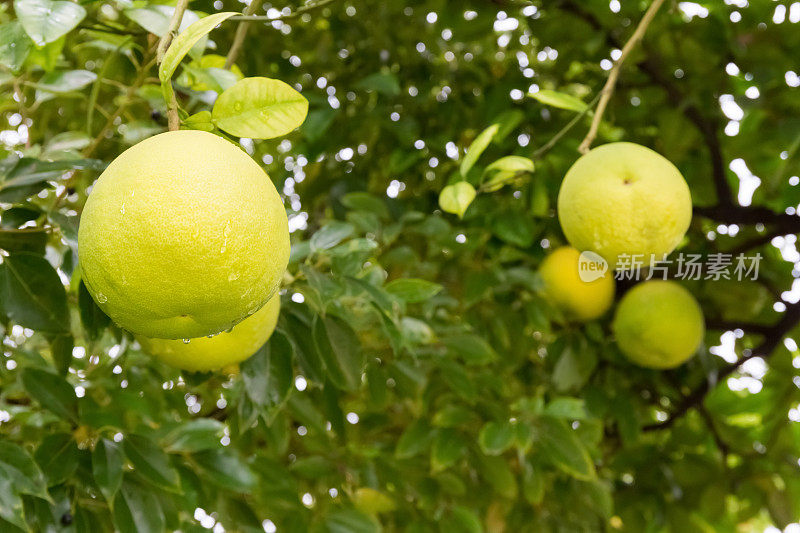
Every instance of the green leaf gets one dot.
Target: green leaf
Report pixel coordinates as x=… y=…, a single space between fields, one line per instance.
x=562 y=447
x=61 y=347
x=413 y=290
x=477 y=147
x=567 y=408
x=194 y=436
x=57 y=456
x=199 y=121
x=515 y=227
x=14 y=45
x=150 y=462
x=184 y=42
x=474 y=350
x=448 y=447
x=137 y=510
x=47 y=20
x=574 y=367
x=93 y=318
x=330 y=235
x=51 y=391
x=268 y=374
x=259 y=108
x=414 y=440
x=31 y=293
x=62 y=81
x=308 y=356
x=498 y=474
x=462 y=520
x=496 y=437
x=532 y=484
x=107 y=463
x=225 y=469
x=384 y=83
x=506 y=170
x=317 y=123
x=559 y=100
x=455 y=198
x=351 y=521
x=17 y=465
x=156 y=18
x=31 y=240
x=339 y=347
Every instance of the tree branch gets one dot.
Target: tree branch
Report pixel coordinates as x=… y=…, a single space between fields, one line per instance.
x=172 y=31
x=608 y=89
x=294 y=14
x=241 y=33
x=539 y=152
x=772 y=338
x=163 y=45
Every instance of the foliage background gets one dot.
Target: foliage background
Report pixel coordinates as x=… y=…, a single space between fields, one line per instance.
x=384 y=402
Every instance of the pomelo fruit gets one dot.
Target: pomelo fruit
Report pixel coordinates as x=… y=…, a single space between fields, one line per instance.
x=220 y=351
x=579 y=300
x=623 y=198
x=183 y=235
x=658 y=324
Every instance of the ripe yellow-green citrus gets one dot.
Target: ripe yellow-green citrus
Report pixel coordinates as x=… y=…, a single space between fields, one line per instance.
x=227 y=348
x=623 y=198
x=658 y=324
x=579 y=300
x=183 y=235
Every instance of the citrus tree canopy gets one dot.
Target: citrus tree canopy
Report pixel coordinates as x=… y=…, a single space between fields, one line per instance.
x=422 y=377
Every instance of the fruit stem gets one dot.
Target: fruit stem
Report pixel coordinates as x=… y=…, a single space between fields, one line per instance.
x=608 y=89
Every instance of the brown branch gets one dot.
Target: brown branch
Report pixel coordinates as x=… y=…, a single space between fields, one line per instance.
x=772 y=339
x=750 y=327
x=608 y=89
x=736 y=214
x=294 y=14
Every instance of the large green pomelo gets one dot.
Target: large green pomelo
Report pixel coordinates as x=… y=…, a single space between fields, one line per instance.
x=183 y=235
x=623 y=198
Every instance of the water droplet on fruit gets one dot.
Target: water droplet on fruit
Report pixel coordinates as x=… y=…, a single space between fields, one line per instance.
x=186 y=341
x=225 y=234
x=122 y=209
x=101 y=298
x=233 y=276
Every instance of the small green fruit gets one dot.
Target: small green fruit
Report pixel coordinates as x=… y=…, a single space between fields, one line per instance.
x=658 y=324
x=579 y=300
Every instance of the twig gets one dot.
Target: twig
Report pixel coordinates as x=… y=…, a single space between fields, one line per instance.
x=172 y=31
x=608 y=89
x=294 y=14
x=241 y=33
x=552 y=142
x=163 y=45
